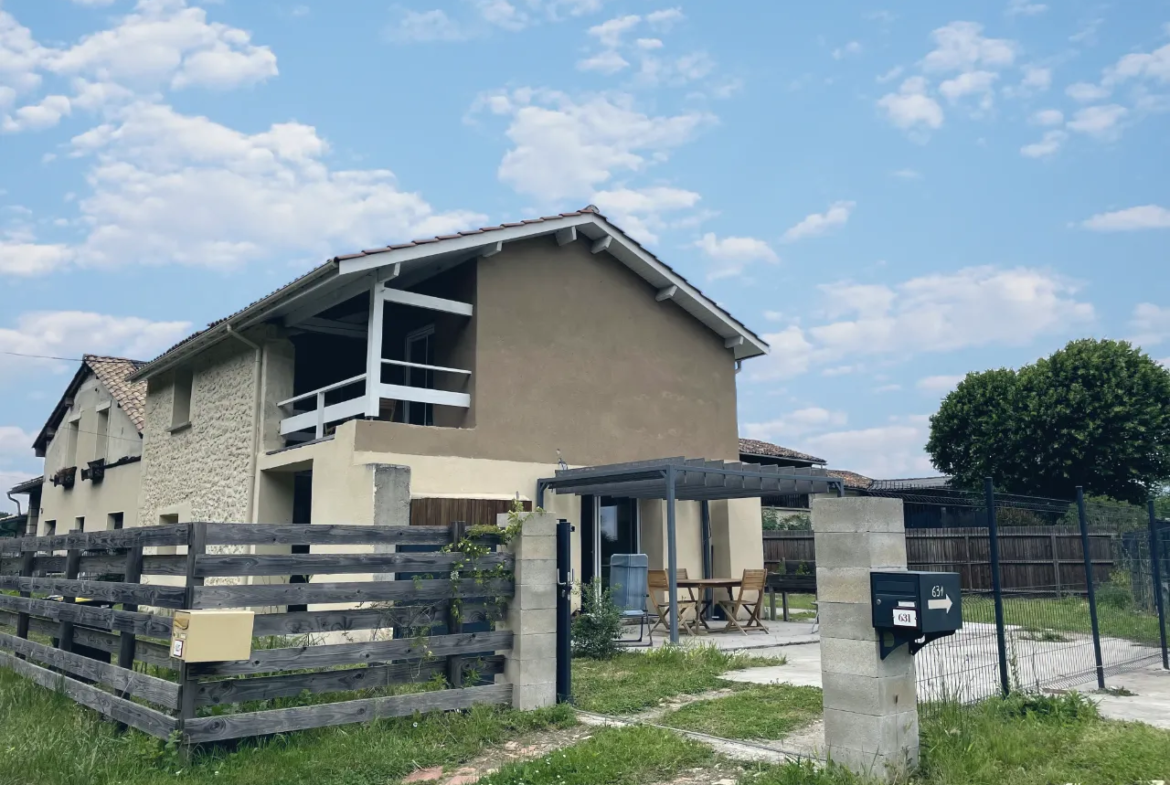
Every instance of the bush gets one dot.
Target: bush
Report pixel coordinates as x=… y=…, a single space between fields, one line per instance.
x=1069 y=707
x=780 y=521
x=598 y=626
x=1117 y=593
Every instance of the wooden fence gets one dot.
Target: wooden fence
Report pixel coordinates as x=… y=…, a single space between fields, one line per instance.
x=93 y=650
x=1046 y=559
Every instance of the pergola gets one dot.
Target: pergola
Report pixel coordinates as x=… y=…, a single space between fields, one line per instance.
x=688 y=479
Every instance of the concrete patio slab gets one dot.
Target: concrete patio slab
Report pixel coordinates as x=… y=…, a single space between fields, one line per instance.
x=780 y=633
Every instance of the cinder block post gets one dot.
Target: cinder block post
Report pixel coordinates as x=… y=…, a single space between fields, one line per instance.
x=871 y=710
x=531 y=666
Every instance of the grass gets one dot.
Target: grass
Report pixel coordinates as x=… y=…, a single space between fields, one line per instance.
x=634 y=681
x=46 y=739
x=1067 y=614
x=761 y=711
x=616 y=756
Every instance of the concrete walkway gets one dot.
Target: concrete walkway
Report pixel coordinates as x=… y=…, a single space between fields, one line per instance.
x=780 y=633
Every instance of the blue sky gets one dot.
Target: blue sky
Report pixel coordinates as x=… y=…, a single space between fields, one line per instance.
x=892 y=193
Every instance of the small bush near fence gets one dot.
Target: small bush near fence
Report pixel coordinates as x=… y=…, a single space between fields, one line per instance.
x=598 y=625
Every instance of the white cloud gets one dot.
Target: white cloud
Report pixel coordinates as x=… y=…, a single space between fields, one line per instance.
x=605 y=62
x=731 y=255
x=848 y=50
x=649 y=43
x=1047 y=117
x=1036 y=78
x=969 y=83
x=169 y=188
x=1154 y=66
x=819 y=223
x=609 y=34
x=36 y=117
x=502 y=14
x=1149 y=216
x=94 y=3
x=888 y=451
x=681 y=70
x=1150 y=323
x=792 y=355
x=566 y=148
x=961 y=46
x=426 y=26
x=890 y=75
x=939 y=384
x=1025 y=8
x=665 y=18
x=14 y=441
x=911 y=107
x=1098 y=121
x=773 y=316
x=1084 y=92
x=640 y=211
x=1048 y=145
x=976 y=306
x=795 y=424
x=30 y=258
x=72 y=333
x=21 y=57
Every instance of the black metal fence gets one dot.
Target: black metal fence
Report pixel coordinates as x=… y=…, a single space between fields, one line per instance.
x=1058 y=593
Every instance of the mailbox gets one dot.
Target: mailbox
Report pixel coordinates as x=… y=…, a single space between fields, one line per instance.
x=911 y=606
x=212 y=636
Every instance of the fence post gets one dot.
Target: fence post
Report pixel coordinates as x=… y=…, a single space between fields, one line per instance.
x=128 y=643
x=997 y=586
x=454 y=617
x=564 y=546
x=1090 y=580
x=27 y=559
x=196 y=546
x=1156 y=558
x=72 y=569
x=531 y=665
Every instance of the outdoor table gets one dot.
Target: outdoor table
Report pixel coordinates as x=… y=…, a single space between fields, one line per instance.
x=702 y=584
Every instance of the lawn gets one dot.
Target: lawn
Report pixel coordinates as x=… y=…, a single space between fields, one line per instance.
x=1067 y=614
x=46 y=739
x=633 y=681
x=759 y=711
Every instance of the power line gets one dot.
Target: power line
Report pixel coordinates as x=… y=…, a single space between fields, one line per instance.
x=66 y=359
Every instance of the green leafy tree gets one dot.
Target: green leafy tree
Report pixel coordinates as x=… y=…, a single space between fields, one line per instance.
x=1095 y=414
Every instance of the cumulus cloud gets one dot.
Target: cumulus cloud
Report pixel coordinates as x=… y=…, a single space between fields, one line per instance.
x=961 y=46
x=566 y=148
x=610 y=32
x=642 y=212
x=976 y=306
x=850 y=49
x=896 y=449
x=1131 y=219
x=31 y=258
x=1025 y=8
x=1098 y=121
x=731 y=255
x=911 y=108
x=425 y=27
x=1085 y=92
x=981 y=83
x=1048 y=145
x=939 y=384
x=605 y=62
x=1047 y=117
x=820 y=223
x=1150 y=324
x=795 y=424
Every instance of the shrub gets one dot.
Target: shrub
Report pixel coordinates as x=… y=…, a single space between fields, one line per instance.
x=598 y=626
x=780 y=521
x=1117 y=593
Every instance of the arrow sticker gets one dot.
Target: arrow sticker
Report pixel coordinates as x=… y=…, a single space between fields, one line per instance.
x=940 y=605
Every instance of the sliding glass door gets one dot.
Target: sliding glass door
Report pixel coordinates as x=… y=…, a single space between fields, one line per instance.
x=609 y=526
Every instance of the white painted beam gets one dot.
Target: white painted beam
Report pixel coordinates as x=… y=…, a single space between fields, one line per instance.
x=567 y=235
x=666 y=294
x=403 y=297
x=315 y=324
x=602 y=244
x=389 y=273
x=314 y=305
x=374 y=348
x=491 y=250
x=733 y=341
x=400 y=392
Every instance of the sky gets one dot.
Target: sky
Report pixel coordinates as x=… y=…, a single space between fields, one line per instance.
x=892 y=194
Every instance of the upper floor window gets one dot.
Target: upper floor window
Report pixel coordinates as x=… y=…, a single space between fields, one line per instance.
x=181 y=407
x=70 y=436
x=50 y=528
x=101 y=434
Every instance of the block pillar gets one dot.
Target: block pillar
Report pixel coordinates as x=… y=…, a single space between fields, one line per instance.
x=531 y=665
x=871 y=709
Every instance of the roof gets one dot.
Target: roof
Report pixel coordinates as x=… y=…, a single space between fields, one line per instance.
x=852 y=479
x=696 y=479
x=769 y=450
x=588 y=221
x=115 y=374
x=909 y=483
x=28 y=485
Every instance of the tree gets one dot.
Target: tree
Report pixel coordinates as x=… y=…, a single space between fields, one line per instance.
x=1095 y=414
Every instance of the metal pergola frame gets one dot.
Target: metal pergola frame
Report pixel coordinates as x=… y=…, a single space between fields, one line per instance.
x=687 y=479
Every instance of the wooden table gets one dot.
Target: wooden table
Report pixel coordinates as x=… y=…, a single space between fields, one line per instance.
x=703 y=584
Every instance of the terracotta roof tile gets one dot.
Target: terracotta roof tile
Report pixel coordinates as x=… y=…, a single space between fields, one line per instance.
x=756 y=447
x=852 y=479
x=114 y=373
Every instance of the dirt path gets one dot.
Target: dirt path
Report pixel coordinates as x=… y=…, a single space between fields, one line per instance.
x=525 y=748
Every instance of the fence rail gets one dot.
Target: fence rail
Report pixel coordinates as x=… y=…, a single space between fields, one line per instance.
x=88 y=649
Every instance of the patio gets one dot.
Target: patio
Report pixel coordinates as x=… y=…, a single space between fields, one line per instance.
x=780 y=633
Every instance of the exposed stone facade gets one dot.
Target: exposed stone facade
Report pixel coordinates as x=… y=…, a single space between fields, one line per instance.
x=201 y=472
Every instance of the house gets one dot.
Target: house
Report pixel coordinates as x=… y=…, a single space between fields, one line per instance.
x=92 y=446
x=29 y=516
x=441 y=379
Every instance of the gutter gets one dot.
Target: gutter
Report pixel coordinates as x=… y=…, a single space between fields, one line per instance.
x=14 y=501
x=257 y=404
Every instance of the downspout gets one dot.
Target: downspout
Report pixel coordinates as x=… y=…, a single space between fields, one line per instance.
x=256 y=407
x=14 y=501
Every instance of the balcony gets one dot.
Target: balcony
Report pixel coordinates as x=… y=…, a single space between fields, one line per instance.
x=400 y=338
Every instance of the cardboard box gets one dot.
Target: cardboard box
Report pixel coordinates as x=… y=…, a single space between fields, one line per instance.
x=212 y=636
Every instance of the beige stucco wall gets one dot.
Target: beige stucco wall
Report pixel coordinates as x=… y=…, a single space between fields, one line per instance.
x=118 y=490
x=202 y=472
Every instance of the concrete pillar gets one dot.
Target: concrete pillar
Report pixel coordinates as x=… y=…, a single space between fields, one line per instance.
x=871 y=710
x=531 y=665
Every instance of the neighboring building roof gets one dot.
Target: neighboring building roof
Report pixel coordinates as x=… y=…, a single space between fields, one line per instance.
x=852 y=479
x=910 y=483
x=755 y=447
x=588 y=221
x=28 y=485
x=113 y=372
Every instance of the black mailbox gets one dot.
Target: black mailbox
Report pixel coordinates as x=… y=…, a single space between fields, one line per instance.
x=911 y=606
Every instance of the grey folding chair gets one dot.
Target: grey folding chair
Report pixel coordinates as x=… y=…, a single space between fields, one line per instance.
x=628 y=589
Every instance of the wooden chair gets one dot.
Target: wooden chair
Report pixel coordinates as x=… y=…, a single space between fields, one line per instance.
x=659 y=590
x=754 y=583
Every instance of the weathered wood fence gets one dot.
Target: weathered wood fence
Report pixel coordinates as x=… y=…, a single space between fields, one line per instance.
x=1032 y=558
x=115 y=659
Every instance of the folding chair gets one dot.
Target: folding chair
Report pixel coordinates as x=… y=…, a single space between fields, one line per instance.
x=754 y=582
x=628 y=589
x=659 y=583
